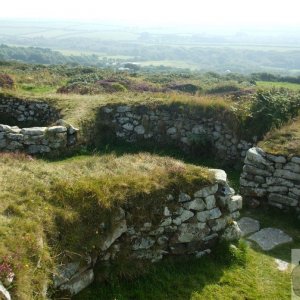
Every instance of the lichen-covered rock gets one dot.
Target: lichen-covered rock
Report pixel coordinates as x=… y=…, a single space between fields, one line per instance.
x=232 y=233
x=273 y=179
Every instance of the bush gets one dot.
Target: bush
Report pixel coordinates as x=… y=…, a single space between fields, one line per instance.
x=271 y=109
x=6 y=81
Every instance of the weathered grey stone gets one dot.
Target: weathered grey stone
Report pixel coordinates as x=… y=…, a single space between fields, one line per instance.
x=65 y=273
x=210 y=190
x=123 y=108
x=192 y=232
x=128 y=126
x=4 y=293
x=166 y=222
x=57 y=129
x=292 y=167
x=210 y=202
x=255 y=171
x=296 y=160
x=269 y=238
x=278 y=189
x=146 y=227
x=287 y=175
x=78 y=282
x=295 y=191
x=143 y=243
x=278 y=181
x=200 y=254
x=33 y=149
x=220 y=176
x=235 y=215
x=198 y=129
x=167 y=212
x=255 y=154
x=139 y=129
x=217 y=224
x=33 y=131
x=232 y=232
x=156 y=232
x=117 y=231
x=183 y=197
x=248 y=225
x=197 y=204
x=171 y=131
x=152 y=255
x=281 y=265
x=203 y=216
x=162 y=240
x=277 y=159
x=235 y=203
x=186 y=215
x=282 y=199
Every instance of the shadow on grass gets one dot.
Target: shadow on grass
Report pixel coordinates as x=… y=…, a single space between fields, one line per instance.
x=173 y=278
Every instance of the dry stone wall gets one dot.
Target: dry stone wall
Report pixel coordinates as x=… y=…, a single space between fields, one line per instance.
x=33 y=140
x=20 y=111
x=37 y=140
x=168 y=124
x=273 y=179
x=188 y=224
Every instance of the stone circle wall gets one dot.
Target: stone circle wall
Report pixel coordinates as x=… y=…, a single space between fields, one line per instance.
x=37 y=140
x=271 y=179
x=189 y=224
x=162 y=124
x=33 y=140
x=27 y=112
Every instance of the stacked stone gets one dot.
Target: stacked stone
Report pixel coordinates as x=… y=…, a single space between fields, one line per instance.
x=164 y=125
x=37 y=140
x=28 y=111
x=190 y=224
x=274 y=179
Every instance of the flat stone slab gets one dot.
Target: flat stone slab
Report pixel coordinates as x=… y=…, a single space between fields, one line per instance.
x=268 y=238
x=248 y=225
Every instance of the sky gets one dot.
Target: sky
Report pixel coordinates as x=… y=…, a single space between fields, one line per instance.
x=151 y=12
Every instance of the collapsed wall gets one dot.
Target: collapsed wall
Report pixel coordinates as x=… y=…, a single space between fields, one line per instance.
x=273 y=179
x=173 y=124
x=188 y=223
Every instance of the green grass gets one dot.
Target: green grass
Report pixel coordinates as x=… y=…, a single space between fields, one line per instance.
x=270 y=85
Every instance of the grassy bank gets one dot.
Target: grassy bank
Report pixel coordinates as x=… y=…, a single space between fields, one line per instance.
x=69 y=198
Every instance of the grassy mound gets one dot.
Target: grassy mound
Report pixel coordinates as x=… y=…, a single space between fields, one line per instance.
x=48 y=207
x=283 y=141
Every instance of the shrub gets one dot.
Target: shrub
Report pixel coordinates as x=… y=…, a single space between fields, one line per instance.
x=6 y=81
x=271 y=109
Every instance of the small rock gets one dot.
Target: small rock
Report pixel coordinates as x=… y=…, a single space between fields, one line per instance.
x=281 y=265
x=184 y=197
x=232 y=233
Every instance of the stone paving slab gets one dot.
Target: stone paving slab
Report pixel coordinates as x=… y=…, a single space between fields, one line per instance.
x=248 y=225
x=269 y=238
